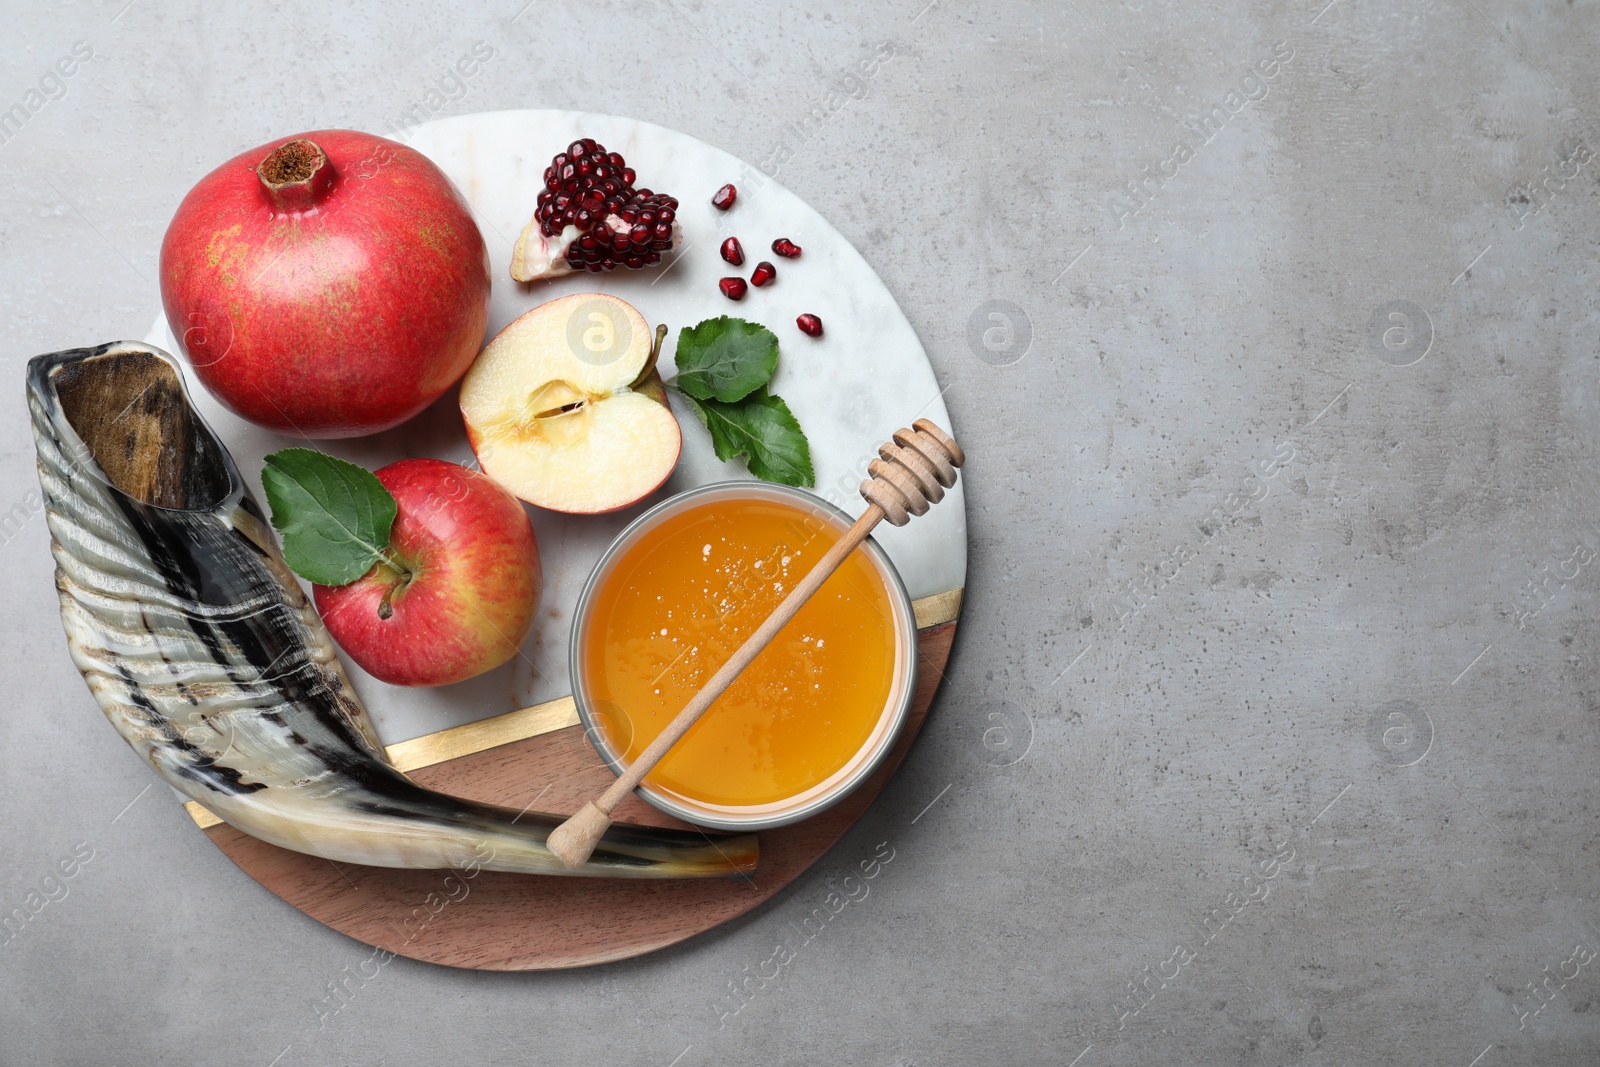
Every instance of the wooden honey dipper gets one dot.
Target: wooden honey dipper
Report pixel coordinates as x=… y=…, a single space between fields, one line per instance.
x=916 y=467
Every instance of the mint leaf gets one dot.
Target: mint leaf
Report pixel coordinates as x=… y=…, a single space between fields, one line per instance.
x=334 y=517
x=725 y=359
x=761 y=427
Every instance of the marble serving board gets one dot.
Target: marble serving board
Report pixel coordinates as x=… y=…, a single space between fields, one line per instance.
x=865 y=377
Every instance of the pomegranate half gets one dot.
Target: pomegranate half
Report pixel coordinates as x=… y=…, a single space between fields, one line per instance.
x=327 y=285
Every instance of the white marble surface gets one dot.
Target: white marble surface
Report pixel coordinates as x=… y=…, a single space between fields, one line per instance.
x=866 y=376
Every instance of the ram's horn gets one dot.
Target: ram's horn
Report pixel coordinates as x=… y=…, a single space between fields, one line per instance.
x=206 y=656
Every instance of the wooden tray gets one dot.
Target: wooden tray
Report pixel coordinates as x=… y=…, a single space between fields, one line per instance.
x=511 y=922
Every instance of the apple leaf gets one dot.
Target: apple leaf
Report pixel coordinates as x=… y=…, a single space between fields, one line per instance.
x=761 y=427
x=334 y=517
x=725 y=359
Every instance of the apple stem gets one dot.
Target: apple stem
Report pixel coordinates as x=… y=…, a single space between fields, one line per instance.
x=401 y=578
x=655 y=354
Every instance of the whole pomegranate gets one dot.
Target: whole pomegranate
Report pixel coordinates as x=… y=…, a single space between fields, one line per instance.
x=327 y=285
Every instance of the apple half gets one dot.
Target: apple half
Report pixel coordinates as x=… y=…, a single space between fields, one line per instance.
x=565 y=408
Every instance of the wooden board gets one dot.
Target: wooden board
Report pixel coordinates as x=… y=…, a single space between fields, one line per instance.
x=510 y=922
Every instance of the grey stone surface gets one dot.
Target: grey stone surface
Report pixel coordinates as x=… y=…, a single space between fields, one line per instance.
x=1271 y=730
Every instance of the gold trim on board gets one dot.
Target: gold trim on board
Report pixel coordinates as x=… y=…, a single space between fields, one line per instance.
x=552 y=715
x=938 y=609
x=493 y=732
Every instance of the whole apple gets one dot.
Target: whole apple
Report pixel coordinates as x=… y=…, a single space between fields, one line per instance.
x=327 y=285
x=458 y=590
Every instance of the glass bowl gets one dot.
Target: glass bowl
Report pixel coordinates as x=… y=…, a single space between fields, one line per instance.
x=856 y=769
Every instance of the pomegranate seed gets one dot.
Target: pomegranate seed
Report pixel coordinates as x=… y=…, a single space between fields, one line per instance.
x=733 y=251
x=809 y=324
x=786 y=248
x=725 y=197
x=764 y=273
x=585 y=187
x=735 y=288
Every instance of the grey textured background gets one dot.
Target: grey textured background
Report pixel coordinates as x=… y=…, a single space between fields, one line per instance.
x=1258 y=621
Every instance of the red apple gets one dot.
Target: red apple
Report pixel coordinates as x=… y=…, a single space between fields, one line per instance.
x=461 y=587
x=327 y=285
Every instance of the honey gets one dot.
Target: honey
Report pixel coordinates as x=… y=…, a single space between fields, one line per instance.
x=679 y=601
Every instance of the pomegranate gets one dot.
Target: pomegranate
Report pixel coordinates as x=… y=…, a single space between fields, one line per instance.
x=733 y=288
x=809 y=324
x=327 y=285
x=590 y=217
x=786 y=248
x=723 y=198
x=764 y=274
x=733 y=251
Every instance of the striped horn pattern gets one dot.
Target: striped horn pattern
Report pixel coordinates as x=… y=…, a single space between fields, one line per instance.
x=200 y=647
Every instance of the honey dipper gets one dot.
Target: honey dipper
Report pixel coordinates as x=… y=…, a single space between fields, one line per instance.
x=914 y=470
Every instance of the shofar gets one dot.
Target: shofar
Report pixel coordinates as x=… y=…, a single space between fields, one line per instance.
x=202 y=650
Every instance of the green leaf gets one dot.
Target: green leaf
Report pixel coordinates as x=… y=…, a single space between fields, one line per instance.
x=335 y=517
x=761 y=427
x=725 y=359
